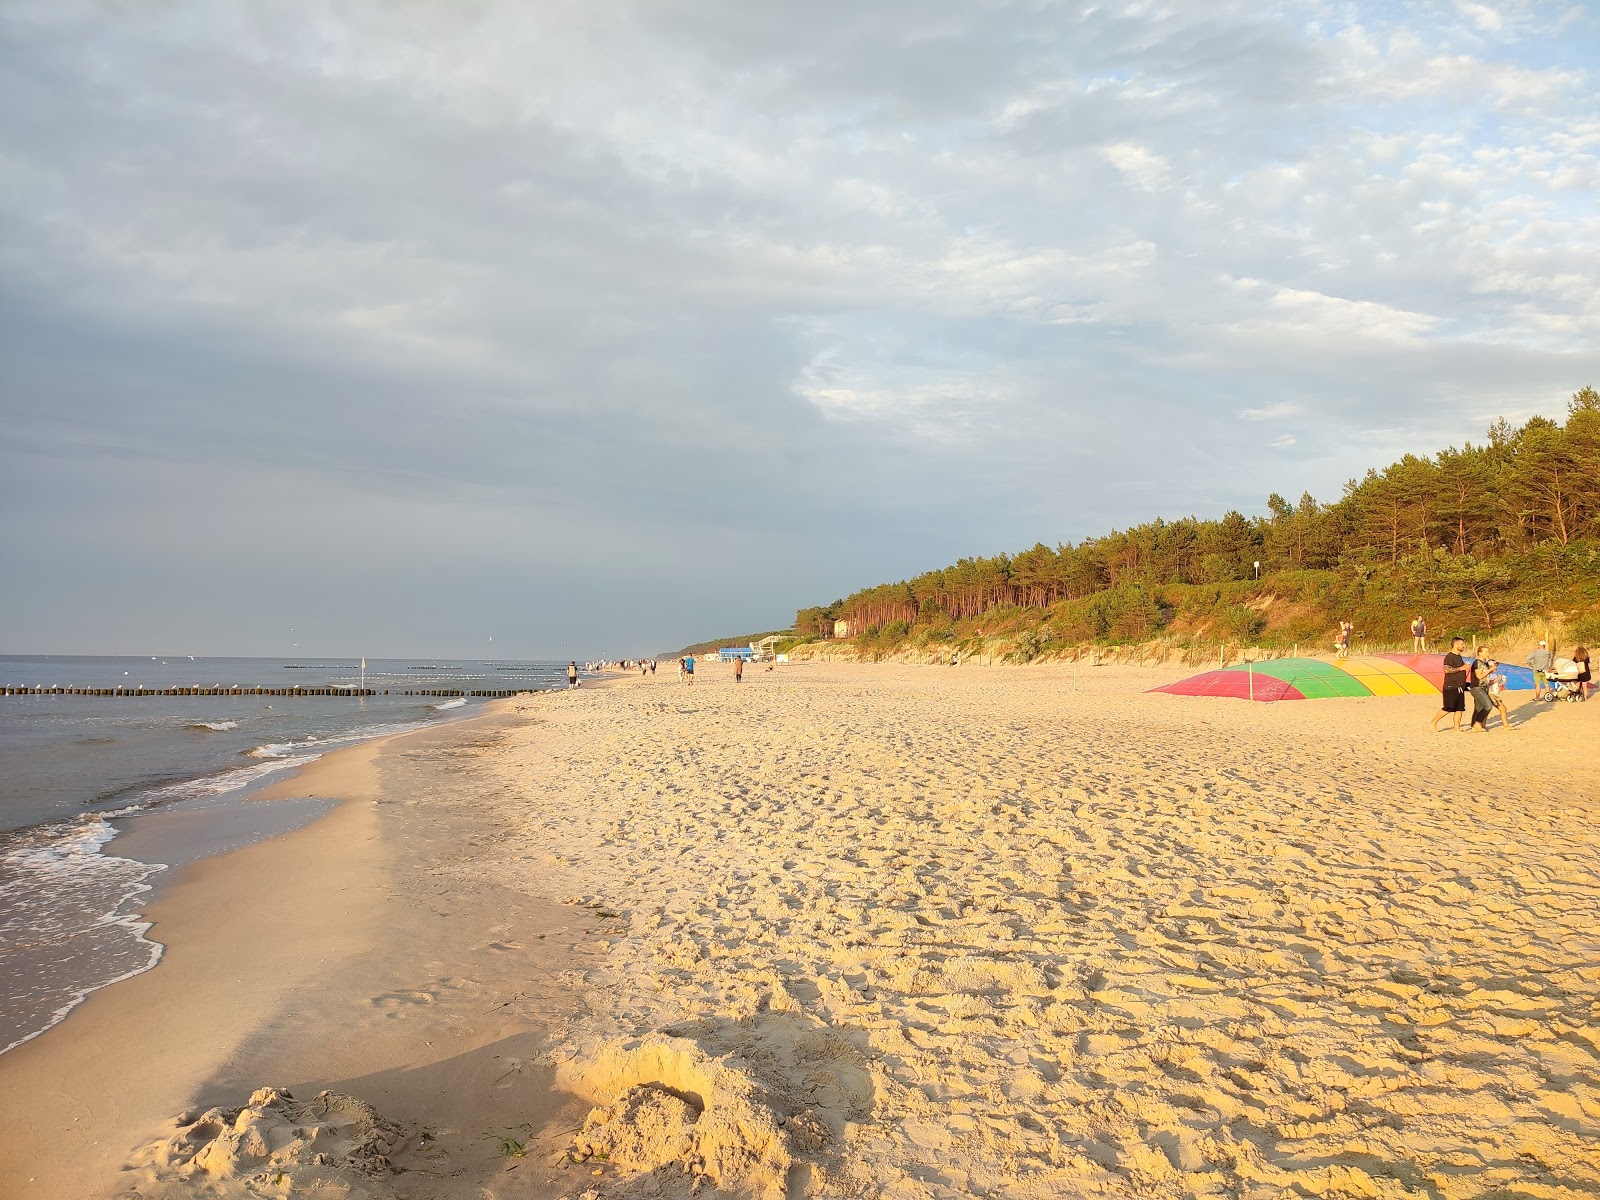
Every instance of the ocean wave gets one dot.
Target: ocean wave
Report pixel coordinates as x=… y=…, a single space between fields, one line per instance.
x=62 y=901
x=215 y=726
x=223 y=781
x=322 y=744
x=456 y=703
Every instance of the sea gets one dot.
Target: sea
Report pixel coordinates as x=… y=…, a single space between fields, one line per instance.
x=101 y=797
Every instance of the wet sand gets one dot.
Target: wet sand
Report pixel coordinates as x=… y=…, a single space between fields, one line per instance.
x=344 y=956
x=886 y=930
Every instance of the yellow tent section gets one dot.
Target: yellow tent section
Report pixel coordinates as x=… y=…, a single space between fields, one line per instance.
x=1385 y=677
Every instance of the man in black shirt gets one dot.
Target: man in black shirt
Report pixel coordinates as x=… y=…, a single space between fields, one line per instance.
x=1455 y=685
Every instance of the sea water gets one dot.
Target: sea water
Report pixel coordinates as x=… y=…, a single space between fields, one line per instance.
x=74 y=770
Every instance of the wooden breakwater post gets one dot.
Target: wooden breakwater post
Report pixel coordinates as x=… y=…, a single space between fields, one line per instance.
x=139 y=691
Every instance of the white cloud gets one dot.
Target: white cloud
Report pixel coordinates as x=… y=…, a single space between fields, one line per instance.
x=1482 y=16
x=1146 y=169
x=913 y=251
x=1270 y=412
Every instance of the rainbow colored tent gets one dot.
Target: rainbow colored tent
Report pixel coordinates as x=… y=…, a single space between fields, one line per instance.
x=1314 y=678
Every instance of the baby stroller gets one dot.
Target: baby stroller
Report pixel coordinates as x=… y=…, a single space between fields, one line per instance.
x=1564 y=678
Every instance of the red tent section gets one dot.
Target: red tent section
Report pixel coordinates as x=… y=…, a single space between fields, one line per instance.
x=1235 y=684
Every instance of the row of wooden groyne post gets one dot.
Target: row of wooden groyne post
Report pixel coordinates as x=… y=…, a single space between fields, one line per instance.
x=41 y=690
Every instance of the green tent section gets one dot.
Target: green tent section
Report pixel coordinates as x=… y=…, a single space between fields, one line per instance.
x=1314 y=679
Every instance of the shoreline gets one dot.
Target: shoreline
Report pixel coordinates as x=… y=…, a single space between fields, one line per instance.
x=259 y=944
x=137 y=847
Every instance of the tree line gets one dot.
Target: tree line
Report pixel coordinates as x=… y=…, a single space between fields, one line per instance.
x=1491 y=529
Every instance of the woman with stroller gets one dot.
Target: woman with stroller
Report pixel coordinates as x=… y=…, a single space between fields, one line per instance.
x=1569 y=677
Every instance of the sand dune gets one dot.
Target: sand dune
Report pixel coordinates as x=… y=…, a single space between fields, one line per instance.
x=1037 y=933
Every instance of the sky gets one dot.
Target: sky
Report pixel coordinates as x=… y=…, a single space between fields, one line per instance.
x=595 y=329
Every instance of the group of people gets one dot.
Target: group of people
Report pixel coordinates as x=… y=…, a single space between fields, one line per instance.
x=1555 y=677
x=647 y=666
x=686 y=668
x=1480 y=678
x=1341 y=640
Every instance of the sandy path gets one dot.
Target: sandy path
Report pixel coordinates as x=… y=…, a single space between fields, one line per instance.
x=1037 y=933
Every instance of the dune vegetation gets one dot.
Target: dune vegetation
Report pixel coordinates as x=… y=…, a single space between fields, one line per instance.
x=1495 y=540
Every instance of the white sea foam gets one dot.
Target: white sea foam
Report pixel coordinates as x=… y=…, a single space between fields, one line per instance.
x=456 y=703
x=314 y=744
x=64 y=925
x=63 y=901
x=225 y=781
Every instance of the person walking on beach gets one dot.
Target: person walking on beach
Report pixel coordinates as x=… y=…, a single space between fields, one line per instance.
x=688 y=668
x=1540 y=661
x=1341 y=641
x=1478 y=689
x=1494 y=683
x=1419 y=636
x=572 y=676
x=1580 y=655
x=1455 y=685
x=738 y=669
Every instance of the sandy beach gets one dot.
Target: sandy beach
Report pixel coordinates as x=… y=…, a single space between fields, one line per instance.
x=878 y=931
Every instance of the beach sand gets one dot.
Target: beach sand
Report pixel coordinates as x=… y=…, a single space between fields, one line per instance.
x=887 y=930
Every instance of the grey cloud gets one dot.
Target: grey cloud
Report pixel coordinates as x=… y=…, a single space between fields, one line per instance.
x=842 y=290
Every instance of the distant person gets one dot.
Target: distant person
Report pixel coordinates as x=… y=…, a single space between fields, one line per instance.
x=1454 y=691
x=738 y=669
x=1341 y=641
x=1540 y=661
x=1580 y=655
x=955 y=659
x=688 y=668
x=1419 y=636
x=652 y=666
x=572 y=676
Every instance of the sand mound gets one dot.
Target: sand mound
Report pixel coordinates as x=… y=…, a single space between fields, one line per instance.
x=751 y=1106
x=331 y=1146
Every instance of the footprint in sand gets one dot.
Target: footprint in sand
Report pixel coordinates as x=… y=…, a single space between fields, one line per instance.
x=396 y=1003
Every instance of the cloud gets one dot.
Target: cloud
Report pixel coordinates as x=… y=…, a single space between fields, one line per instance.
x=1270 y=412
x=1148 y=170
x=1482 y=16
x=595 y=281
